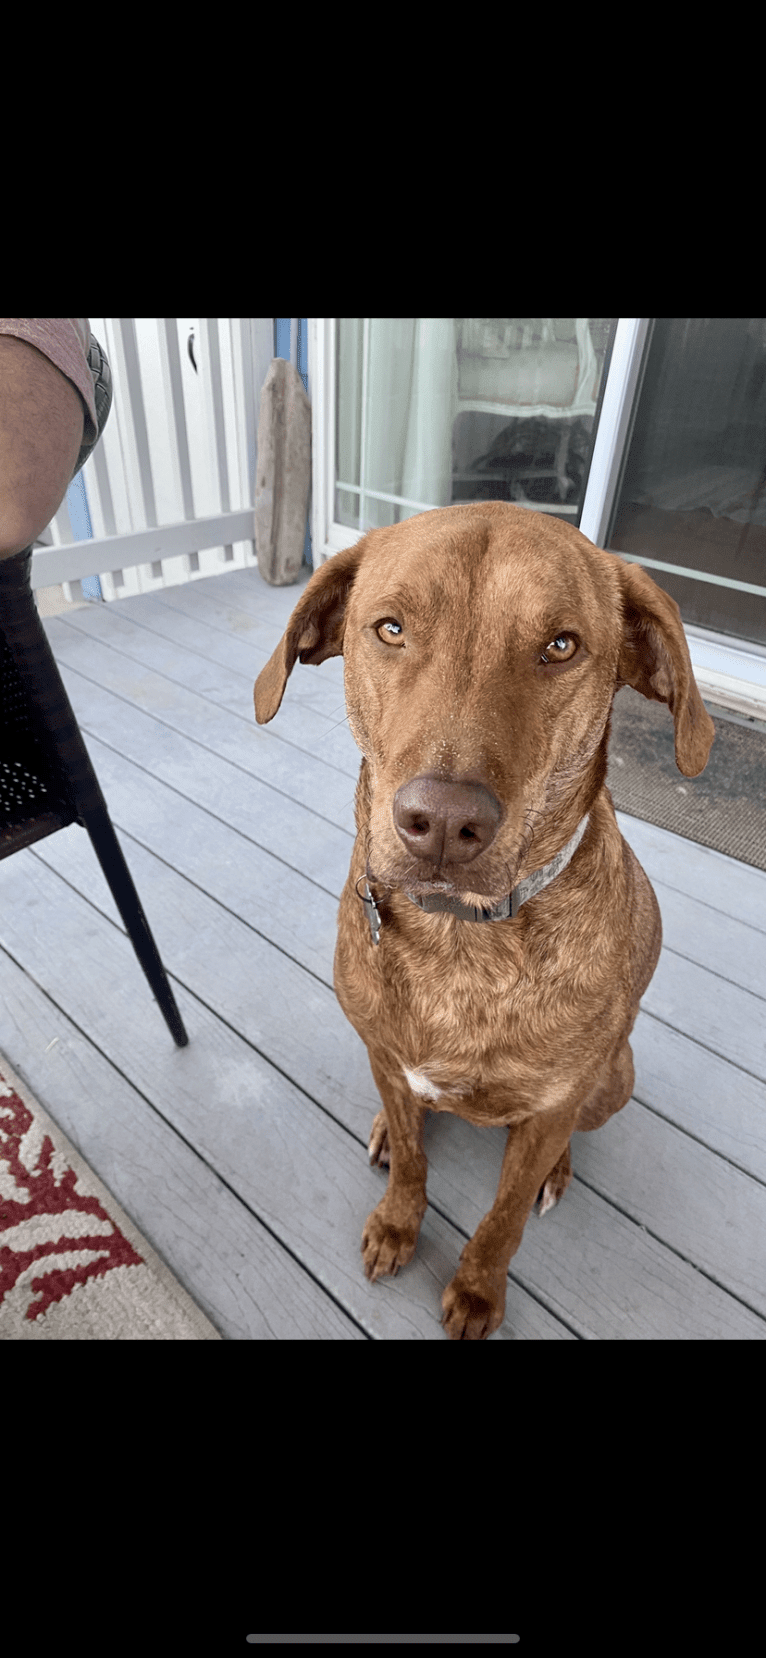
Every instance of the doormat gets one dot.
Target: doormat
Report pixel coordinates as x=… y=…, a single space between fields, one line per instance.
x=724 y=808
x=73 y=1267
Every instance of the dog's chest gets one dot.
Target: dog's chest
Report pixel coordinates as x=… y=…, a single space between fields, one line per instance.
x=427 y=1089
x=467 y=1097
x=458 y=1035
x=471 y=1022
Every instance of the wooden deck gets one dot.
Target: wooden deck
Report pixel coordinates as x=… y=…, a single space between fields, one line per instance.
x=242 y=1158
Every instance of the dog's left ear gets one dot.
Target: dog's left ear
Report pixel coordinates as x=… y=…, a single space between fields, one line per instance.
x=655 y=660
x=314 y=631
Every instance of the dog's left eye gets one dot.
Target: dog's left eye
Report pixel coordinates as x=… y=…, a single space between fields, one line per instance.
x=389 y=631
x=560 y=649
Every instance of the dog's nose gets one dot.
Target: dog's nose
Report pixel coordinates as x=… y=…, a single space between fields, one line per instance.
x=445 y=822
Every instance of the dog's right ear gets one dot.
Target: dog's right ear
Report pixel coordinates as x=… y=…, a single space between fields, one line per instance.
x=314 y=631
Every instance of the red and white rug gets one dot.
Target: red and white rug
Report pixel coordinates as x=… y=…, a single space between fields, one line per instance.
x=73 y=1267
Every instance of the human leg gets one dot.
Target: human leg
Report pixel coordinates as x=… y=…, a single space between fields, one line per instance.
x=42 y=420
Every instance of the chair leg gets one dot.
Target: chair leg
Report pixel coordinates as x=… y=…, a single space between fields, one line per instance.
x=26 y=637
x=110 y=856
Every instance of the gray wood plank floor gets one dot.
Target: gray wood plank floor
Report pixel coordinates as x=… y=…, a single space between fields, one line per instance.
x=243 y=1157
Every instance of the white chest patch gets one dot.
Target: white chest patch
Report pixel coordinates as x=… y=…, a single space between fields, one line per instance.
x=422 y=1084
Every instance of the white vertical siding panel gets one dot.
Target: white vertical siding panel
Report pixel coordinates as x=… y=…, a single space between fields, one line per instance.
x=178 y=445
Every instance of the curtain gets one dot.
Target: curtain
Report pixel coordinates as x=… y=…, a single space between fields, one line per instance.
x=411 y=405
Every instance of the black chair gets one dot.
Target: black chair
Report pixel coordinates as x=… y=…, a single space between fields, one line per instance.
x=46 y=777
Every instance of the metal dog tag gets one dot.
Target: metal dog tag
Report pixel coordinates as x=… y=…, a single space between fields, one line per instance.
x=372 y=913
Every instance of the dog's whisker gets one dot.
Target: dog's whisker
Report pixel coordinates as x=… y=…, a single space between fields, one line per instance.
x=329 y=733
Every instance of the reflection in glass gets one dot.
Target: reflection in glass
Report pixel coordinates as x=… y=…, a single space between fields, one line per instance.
x=693 y=491
x=433 y=410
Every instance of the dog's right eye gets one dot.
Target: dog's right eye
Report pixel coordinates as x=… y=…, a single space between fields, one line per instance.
x=389 y=631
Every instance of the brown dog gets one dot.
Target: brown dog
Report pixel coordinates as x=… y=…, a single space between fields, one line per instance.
x=495 y=962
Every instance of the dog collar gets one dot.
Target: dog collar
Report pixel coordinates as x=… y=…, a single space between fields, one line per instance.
x=508 y=907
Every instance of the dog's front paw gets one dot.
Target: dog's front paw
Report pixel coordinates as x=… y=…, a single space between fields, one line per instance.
x=385 y=1247
x=469 y=1314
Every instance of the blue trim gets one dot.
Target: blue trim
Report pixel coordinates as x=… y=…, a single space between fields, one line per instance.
x=283 y=343
x=303 y=352
x=282 y=337
x=79 y=517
